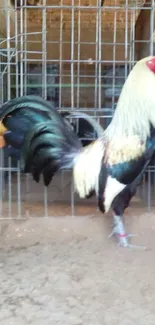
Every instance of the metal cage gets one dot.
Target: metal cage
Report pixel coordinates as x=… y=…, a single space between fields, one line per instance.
x=76 y=54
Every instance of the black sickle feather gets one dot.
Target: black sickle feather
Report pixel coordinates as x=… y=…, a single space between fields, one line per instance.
x=15 y=140
x=34 y=103
x=20 y=115
x=42 y=141
x=47 y=174
x=46 y=149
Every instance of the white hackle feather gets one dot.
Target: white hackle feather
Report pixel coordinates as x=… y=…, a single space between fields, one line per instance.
x=136 y=105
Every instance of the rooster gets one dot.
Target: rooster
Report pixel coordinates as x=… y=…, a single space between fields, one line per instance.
x=111 y=166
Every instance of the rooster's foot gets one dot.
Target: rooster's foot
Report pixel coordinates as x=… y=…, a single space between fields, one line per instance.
x=121 y=235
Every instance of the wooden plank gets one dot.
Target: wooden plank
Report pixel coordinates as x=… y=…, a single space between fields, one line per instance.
x=143 y=32
x=87 y=27
x=3 y=14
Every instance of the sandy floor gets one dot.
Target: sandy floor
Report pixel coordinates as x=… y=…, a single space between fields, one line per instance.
x=65 y=271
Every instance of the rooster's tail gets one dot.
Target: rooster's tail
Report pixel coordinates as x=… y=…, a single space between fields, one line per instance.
x=47 y=143
x=53 y=146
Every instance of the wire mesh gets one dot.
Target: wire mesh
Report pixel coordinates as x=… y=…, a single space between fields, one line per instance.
x=76 y=54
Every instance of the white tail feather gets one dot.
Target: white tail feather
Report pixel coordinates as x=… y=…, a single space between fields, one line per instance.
x=87 y=168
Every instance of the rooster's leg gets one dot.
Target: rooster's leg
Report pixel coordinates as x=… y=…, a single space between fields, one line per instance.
x=120 y=233
x=119 y=204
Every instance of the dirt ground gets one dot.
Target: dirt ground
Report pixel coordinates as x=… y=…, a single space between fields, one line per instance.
x=65 y=271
